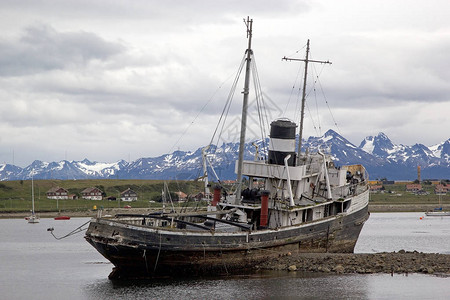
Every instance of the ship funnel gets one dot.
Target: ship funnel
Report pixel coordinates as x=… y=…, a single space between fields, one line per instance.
x=282 y=142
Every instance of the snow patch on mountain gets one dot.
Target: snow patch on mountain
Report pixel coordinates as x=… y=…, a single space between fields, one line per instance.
x=378 y=154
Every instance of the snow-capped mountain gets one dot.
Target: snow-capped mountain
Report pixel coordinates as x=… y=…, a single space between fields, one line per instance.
x=66 y=170
x=379 y=145
x=381 y=157
x=401 y=162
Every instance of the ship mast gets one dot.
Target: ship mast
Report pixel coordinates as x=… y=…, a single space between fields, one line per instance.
x=306 y=60
x=248 y=23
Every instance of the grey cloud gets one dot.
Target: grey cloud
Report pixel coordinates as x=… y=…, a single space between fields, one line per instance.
x=41 y=48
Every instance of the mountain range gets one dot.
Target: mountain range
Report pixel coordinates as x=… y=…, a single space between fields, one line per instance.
x=378 y=154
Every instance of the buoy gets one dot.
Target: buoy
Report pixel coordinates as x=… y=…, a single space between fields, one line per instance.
x=421 y=218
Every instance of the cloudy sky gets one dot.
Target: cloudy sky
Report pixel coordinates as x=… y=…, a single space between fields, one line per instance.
x=111 y=80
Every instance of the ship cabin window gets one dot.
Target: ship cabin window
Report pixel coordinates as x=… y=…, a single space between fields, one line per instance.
x=340 y=207
x=337 y=208
x=307 y=215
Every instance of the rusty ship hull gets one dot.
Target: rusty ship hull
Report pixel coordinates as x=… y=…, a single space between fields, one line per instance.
x=138 y=251
x=292 y=202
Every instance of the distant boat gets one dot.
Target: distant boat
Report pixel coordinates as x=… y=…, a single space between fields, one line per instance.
x=33 y=219
x=62 y=218
x=438 y=212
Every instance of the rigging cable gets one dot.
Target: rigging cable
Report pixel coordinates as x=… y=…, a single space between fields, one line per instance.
x=227 y=106
x=226 y=109
x=261 y=107
x=329 y=109
x=75 y=231
x=299 y=72
x=292 y=91
x=198 y=114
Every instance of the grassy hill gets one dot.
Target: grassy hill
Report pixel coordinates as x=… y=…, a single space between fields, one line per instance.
x=397 y=194
x=16 y=195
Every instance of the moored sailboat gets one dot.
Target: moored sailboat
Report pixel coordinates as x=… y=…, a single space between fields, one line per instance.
x=438 y=211
x=33 y=218
x=306 y=204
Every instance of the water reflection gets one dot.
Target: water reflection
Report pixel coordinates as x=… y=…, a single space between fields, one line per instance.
x=263 y=285
x=277 y=285
x=35 y=265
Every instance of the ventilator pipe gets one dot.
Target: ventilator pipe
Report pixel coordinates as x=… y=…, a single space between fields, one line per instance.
x=291 y=199
x=264 y=208
x=327 y=179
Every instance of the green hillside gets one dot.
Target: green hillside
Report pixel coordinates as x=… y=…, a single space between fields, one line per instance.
x=16 y=195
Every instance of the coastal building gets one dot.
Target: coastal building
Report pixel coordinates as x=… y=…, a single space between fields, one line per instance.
x=198 y=196
x=181 y=196
x=57 y=193
x=92 y=193
x=413 y=187
x=440 y=189
x=128 y=195
x=374 y=182
x=376 y=188
x=229 y=181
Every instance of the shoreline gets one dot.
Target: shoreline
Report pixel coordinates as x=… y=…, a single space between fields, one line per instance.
x=74 y=214
x=405 y=207
x=401 y=262
x=373 y=208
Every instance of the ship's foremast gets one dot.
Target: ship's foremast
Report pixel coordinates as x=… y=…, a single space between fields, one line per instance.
x=249 y=52
x=306 y=60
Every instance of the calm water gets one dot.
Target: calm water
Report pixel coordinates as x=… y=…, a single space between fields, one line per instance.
x=36 y=266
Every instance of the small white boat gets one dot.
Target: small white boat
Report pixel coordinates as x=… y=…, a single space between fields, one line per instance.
x=438 y=212
x=33 y=219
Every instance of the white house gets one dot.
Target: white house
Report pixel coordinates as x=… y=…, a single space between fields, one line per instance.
x=92 y=193
x=128 y=195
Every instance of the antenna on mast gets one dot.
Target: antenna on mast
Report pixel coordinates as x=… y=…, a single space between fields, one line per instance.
x=306 y=60
x=248 y=24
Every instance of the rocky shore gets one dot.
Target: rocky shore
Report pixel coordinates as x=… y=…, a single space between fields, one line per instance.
x=401 y=262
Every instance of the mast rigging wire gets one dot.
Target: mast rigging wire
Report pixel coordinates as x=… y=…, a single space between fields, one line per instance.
x=227 y=106
x=261 y=107
x=198 y=114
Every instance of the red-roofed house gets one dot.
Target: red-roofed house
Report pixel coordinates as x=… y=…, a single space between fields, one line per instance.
x=92 y=193
x=376 y=188
x=128 y=195
x=440 y=189
x=57 y=193
x=413 y=187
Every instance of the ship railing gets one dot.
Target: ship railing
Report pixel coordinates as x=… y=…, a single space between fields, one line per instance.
x=312 y=168
x=349 y=190
x=171 y=221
